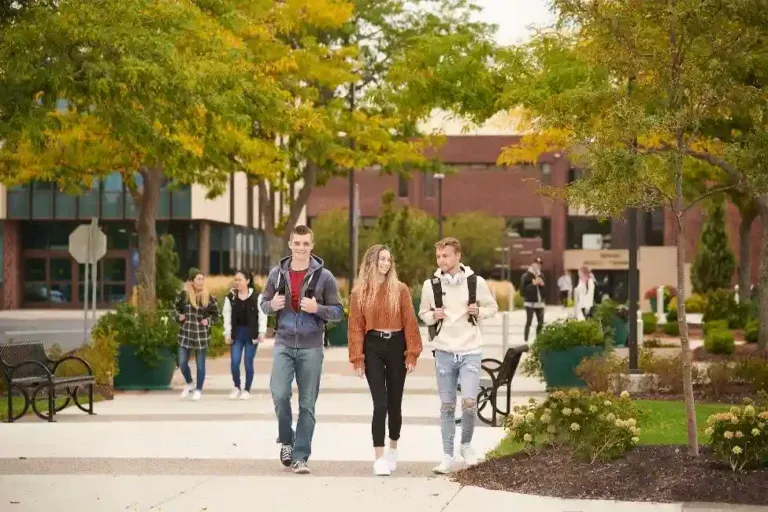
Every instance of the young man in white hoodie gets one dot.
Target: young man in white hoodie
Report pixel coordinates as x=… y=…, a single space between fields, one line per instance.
x=458 y=345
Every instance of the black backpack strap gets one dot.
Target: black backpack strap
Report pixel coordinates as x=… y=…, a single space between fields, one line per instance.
x=472 y=288
x=437 y=296
x=281 y=287
x=310 y=291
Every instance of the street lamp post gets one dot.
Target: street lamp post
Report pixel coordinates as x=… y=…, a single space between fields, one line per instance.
x=439 y=177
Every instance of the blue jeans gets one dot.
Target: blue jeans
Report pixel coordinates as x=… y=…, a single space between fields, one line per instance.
x=453 y=369
x=242 y=342
x=200 y=362
x=306 y=364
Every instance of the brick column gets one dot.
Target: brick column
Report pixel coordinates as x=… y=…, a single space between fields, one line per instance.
x=204 y=247
x=12 y=271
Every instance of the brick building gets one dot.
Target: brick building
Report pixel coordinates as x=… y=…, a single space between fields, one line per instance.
x=563 y=237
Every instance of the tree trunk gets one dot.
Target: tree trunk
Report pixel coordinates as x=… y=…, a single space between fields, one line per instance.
x=745 y=260
x=147 y=200
x=762 y=205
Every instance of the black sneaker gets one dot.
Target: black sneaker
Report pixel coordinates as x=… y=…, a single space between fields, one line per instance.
x=286 y=454
x=300 y=467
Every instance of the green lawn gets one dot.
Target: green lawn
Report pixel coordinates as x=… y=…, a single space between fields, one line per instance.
x=664 y=424
x=42 y=405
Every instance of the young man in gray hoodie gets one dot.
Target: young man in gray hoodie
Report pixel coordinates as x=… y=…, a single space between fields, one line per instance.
x=304 y=296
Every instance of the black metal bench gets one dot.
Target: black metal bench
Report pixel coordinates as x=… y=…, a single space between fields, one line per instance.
x=501 y=374
x=28 y=371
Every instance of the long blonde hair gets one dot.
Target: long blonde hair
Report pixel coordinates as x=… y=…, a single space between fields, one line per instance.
x=367 y=283
x=197 y=299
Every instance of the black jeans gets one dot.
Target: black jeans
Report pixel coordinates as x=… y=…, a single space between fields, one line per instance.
x=385 y=371
x=529 y=320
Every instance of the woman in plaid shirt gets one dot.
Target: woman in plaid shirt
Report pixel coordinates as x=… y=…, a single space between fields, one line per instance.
x=198 y=311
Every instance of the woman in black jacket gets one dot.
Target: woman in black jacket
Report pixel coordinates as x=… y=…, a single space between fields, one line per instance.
x=244 y=327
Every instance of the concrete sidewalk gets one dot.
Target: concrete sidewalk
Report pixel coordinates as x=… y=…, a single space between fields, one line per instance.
x=150 y=451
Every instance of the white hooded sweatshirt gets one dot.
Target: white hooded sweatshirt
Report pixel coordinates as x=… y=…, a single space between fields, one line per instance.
x=457 y=335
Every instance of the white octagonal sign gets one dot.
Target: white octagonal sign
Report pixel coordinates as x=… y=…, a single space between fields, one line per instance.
x=78 y=243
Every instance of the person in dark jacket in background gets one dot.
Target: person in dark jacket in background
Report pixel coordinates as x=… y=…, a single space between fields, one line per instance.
x=532 y=291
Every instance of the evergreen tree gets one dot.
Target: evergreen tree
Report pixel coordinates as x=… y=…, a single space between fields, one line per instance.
x=714 y=262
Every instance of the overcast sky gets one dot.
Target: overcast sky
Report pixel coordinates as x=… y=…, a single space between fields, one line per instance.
x=515 y=16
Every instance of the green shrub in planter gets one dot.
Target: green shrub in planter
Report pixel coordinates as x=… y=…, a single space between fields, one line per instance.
x=671 y=316
x=649 y=323
x=718 y=341
x=695 y=303
x=519 y=303
x=752 y=330
x=559 y=349
x=715 y=325
x=671 y=328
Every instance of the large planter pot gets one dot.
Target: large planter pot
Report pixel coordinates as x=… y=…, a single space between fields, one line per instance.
x=136 y=374
x=620 y=332
x=337 y=336
x=559 y=366
x=654 y=303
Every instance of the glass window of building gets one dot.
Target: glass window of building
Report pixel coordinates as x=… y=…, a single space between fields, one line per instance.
x=402 y=185
x=532 y=227
x=88 y=202
x=577 y=227
x=65 y=205
x=18 y=202
x=42 y=199
x=430 y=185
x=112 y=197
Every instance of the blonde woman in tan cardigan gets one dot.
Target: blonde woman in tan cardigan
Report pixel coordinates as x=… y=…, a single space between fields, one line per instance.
x=384 y=344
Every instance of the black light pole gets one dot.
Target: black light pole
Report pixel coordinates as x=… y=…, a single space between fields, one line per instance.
x=352 y=244
x=634 y=295
x=440 y=177
x=633 y=292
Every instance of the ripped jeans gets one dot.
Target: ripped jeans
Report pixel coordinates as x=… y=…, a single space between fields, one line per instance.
x=453 y=369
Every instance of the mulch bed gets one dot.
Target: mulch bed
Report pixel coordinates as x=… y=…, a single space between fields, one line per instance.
x=647 y=473
x=744 y=351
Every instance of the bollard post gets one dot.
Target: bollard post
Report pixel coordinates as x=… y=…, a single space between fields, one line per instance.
x=736 y=293
x=640 y=334
x=660 y=316
x=504 y=334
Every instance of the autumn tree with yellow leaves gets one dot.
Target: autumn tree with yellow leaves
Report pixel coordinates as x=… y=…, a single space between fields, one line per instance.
x=160 y=91
x=626 y=88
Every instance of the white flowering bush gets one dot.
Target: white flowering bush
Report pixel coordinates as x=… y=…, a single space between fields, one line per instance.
x=739 y=437
x=595 y=426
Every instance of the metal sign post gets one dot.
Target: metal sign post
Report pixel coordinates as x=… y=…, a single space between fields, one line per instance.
x=87 y=245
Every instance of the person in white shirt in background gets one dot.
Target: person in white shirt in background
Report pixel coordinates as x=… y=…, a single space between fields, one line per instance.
x=458 y=346
x=245 y=326
x=584 y=295
x=565 y=285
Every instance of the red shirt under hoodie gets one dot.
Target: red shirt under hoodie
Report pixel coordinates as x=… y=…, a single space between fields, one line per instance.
x=297 y=277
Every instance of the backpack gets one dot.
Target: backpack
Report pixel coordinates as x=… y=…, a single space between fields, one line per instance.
x=437 y=293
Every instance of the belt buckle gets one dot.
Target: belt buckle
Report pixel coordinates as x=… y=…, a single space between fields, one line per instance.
x=386 y=335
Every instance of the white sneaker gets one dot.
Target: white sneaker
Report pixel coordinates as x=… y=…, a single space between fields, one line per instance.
x=381 y=467
x=468 y=454
x=245 y=395
x=391 y=456
x=196 y=395
x=445 y=466
x=235 y=394
x=186 y=391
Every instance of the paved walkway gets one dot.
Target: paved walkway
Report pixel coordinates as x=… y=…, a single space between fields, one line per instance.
x=151 y=451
